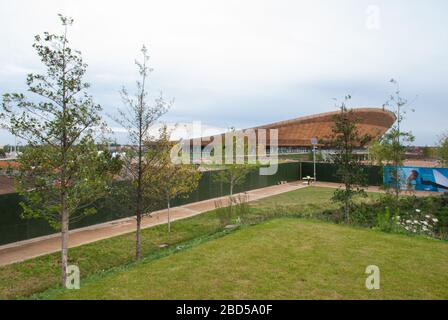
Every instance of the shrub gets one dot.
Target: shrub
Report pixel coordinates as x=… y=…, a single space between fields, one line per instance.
x=365 y=215
x=419 y=223
x=383 y=220
x=240 y=207
x=223 y=212
x=414 y=215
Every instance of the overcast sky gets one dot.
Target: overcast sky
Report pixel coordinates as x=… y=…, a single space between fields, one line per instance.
x=245 y=63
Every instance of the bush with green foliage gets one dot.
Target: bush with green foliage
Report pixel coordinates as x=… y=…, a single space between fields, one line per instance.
x=240 y=207
x=426 y=216
x=223 y=212
x=442 y=151
x=237 y=210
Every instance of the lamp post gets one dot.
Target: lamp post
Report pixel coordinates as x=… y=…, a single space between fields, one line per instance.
x=314 y=143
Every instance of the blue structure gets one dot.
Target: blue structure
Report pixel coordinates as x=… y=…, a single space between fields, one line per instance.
x=418 y=179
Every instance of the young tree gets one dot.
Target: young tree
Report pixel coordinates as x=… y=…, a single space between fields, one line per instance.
x=180 y=181
x=442 y=151
x=138 y=118
x=167 y=181
x=395 y=141
x=428 y=152
x=232 y=172
x=377 y=153
x=346 y=139
x=233 y=175
x=61 y=172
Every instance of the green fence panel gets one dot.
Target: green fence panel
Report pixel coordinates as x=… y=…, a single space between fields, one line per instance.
x=13 y=228
x=327 y=172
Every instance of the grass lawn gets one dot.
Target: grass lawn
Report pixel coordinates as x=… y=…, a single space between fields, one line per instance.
x=283 y=259
x=38 y=274
x=307 y=200
x=288 y=157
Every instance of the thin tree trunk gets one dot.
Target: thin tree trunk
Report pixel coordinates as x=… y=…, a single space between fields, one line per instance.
x=139 y=177
x=397 y=183
x=169 y=220
x=140 y=169
x=347 y=200
x=63 y=182
x=139 y=205
x=64 y=239
x=347 y=212
x=138 y=238
x=230 y=199
x=138 y=215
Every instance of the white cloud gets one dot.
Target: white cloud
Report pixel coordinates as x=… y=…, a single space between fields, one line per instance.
x=14 y=70
x=178 y=130
x=248 y=58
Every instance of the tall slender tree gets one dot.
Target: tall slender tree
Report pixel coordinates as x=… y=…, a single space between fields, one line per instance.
x=138 y=117
x=346 y=139
x=166 y=180
x=396 y=140
x=232 y=172
x=61 y=172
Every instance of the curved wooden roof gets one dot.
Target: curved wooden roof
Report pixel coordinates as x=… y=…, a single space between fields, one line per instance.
x=298 y=132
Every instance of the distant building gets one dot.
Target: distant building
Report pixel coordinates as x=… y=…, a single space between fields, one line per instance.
x=295 y=135
x=12 y=152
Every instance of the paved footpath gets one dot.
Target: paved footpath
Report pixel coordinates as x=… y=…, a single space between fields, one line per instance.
x=23 y=250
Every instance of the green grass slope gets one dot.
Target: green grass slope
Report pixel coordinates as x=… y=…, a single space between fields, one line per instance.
x=283 y=259
x=36 y=275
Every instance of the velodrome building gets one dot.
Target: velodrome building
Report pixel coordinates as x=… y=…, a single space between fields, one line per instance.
x=295 y=135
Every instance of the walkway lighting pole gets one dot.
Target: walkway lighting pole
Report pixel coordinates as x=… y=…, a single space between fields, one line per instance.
x=314 y=143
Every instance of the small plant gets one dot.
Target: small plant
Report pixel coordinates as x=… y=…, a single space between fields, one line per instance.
x=418 y=223
x=442 y=151
x=413 y=215
x=385 y=221
x=223 y=212
x=9 y=171
x=240 y=208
